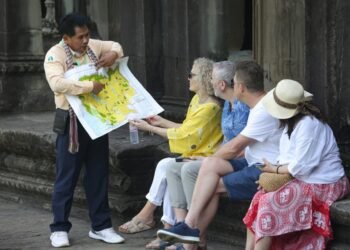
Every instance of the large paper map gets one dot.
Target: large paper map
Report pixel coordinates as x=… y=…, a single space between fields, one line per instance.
x=122 y=98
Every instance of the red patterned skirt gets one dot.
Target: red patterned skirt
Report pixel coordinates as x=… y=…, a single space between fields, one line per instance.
x=298 y=213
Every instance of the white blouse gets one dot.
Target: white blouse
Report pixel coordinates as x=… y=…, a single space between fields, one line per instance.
x=311 y=152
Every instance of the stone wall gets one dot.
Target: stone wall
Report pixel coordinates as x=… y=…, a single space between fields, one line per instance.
x=327 y=60
x=22 y=84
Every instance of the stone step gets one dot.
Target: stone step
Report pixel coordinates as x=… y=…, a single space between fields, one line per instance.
x=338 y=246
x=233 y=240
x=34 y=144
x=119 y=202
x=229 y=230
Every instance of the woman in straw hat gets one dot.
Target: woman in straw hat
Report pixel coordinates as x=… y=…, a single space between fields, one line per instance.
x=296 y=216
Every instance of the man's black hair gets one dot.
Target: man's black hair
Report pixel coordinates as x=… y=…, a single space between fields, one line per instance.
x=70 y=21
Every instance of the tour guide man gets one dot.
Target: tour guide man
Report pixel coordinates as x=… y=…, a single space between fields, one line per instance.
x=74 y=147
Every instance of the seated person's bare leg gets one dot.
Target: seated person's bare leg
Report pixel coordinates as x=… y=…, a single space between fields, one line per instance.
x=180 y=214
x=263 y=244
x=206 y=188
x=250 y=243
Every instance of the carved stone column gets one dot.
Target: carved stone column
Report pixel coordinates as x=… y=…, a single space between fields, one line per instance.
x=162 y=37
x=279 y=39
x=49 y=24
x=327 y=66
x=22 y=83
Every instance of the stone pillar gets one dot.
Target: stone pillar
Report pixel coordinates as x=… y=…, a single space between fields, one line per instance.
x=327 y=66
x=279 y=39
x=140 y=35
x=98 y=12
x=192 y=29
x=328 y=59
x=162 y=38
x=22 y=84
x=129 y=30
x=49 y=24
x=215 y=28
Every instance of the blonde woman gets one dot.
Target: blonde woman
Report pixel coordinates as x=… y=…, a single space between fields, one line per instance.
x=198 y=135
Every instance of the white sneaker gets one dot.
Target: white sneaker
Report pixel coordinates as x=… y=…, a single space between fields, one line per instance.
x=59 y=239
x=107 y=235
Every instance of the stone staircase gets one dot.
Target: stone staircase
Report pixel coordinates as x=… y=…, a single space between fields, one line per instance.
x=27 y=156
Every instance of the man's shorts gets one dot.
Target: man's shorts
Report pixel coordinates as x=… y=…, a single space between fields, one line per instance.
x=240 y=184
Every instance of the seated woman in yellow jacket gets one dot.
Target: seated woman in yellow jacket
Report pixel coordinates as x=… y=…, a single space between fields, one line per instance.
x=198 y=135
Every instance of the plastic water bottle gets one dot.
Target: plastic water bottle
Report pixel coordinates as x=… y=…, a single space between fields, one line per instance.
x=134 y=134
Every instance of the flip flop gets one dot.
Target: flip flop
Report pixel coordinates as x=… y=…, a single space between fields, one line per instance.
x=177 y=246
x=157 y=244
x=180 y=246
x=135 y=226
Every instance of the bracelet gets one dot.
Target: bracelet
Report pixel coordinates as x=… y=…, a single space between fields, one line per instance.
x=278 y=168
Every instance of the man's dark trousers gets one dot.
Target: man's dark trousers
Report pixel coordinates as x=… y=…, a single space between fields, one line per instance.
x=94 y=155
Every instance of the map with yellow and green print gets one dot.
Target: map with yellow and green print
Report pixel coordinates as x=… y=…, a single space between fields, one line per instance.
x=122 y=97
x=111 y=104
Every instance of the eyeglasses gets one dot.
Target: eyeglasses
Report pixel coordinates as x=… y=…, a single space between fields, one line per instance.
x=190 y=75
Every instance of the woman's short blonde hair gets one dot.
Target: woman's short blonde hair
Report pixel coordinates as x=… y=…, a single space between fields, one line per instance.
x=205 y=68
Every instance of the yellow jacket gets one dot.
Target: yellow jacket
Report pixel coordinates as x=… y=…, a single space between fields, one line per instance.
x=55 y=66
x=200 y=133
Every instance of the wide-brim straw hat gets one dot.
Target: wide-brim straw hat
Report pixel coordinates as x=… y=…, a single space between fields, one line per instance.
x=283 y=101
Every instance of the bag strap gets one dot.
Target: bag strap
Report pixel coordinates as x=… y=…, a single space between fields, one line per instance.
x=73 y=146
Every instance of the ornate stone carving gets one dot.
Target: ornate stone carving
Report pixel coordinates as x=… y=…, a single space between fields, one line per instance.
x=49 y=25
x=21 y=67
